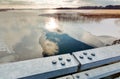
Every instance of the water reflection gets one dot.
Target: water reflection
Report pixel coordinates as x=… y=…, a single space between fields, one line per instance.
x=49 y=47
x=32 y=36
x=21 y=35
x=52 y=25
x=58 y=40
x=66 y=43
x=80 y=17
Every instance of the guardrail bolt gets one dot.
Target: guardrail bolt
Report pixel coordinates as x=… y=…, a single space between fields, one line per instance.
x=63 y=63
x=60 y=58
x=68 y=59
x=86 y=74
x=89 y=58
x=81 y=57
x=92 y=54
x=54 y=62
x=84 y=53
x=77 y=76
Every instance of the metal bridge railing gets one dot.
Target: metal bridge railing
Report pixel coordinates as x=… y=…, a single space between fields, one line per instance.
x=54 y=66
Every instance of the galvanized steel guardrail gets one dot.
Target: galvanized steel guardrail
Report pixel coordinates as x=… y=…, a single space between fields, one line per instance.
x=54 y=66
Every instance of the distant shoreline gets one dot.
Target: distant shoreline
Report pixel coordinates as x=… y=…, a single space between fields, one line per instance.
x=92 y=12
x=24 y=7
x=6 y=9
x=93 y=7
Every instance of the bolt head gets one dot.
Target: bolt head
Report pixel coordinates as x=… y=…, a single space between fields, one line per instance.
x=68 y=59
x=54 y=62
x=89 y=58
x=77 y=76
x=60 y=58
x=81 y=57
x=92 y=54
x=84 y=53
x=63 y=63
x=86 y=74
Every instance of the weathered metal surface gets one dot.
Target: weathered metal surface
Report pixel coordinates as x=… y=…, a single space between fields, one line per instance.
x=49 y=67
x=41 y=68
x=97 y=57
x=96 y=73
x=99 y=72
x=66 y=77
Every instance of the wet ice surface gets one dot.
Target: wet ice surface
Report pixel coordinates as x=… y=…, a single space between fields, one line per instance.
x=38 y=33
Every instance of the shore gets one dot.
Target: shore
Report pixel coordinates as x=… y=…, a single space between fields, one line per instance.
x=85 y=12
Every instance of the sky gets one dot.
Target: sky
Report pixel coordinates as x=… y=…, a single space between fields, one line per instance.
x=58 y=3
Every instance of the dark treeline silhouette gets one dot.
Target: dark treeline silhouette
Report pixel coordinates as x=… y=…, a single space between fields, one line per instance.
x=82 y=7
x=94 y=7
x=6 y=9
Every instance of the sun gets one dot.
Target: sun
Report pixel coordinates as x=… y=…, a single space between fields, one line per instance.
x=51 y=25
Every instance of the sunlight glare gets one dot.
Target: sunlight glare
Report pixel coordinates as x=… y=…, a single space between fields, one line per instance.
x=51 y=25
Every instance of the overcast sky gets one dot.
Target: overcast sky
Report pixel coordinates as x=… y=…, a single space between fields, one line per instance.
x=63 y=3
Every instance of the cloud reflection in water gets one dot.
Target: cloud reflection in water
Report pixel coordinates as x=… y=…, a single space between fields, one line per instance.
x=27 y=34
x=49 y=47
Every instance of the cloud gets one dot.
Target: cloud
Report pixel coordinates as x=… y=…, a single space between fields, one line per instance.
x=16 y=2
x=58 y=3
x=21 y=35
x=103 y=2
x=82 y=35
x=49 y=47
x=96 y=2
